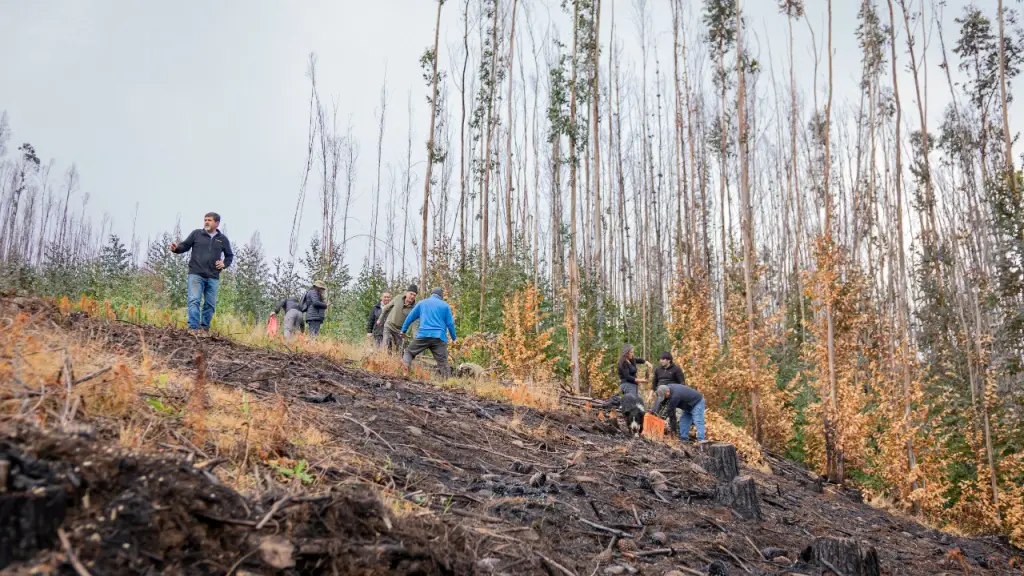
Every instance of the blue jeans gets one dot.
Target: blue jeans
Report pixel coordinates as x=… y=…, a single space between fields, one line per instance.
x=629 y=388
x=694 y=417
x=204 y=289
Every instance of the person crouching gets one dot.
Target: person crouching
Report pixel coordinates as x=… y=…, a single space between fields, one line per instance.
x=677 y=396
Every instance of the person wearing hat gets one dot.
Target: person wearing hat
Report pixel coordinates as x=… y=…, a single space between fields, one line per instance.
x=315 y=307
x=674 y=397
x=667 y=373
x=436 y=322
x=393 y=316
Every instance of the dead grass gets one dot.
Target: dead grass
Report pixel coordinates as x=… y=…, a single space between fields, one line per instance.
x=145 y=404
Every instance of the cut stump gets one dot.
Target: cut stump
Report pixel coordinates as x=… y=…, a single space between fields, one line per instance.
x=741 y=496
x=843 y=555
x=720 y=459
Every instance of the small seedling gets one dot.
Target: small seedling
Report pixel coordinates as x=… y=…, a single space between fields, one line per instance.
x=297 y=471
x=162 y=408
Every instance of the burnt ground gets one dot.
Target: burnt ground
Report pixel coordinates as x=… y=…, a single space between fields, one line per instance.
x=489 y=488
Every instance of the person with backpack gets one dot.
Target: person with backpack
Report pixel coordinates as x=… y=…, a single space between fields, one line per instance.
x=293 y=321
x=314 y=305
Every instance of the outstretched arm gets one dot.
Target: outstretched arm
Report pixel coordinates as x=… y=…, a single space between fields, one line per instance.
x=185 y=245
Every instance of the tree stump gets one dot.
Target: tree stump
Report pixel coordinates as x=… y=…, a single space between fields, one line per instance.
x=843 y=555
x=741 y=496
x=720 y=459
x=29 y=522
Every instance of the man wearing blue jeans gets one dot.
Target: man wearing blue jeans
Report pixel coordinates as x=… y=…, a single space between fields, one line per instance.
x=677 y=396
x=211 y=253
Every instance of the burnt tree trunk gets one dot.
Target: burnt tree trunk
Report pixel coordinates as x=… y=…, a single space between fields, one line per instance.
x=741 y=495
x=844 y=556
x=720 y=459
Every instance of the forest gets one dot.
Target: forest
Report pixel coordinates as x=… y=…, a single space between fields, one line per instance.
x=841 y=274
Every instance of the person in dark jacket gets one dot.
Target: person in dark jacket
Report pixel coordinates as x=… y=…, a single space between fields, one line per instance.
x=372 y=329
x=667 y=373
x=315 y=307
x=211 y=253
x=676 y=396
x=293 y=321
x=436 y=323
x=628 y=382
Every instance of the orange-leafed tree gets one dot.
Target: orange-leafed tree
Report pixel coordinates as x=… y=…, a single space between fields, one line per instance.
x=743 y=379
x=691 y=330
x=837 y=292
x=522 y=345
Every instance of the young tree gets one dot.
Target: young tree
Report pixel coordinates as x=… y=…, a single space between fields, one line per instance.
x=115 y=268
x=250 y=275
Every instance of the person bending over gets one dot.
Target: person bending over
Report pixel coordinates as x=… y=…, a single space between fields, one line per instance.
x=691 y=402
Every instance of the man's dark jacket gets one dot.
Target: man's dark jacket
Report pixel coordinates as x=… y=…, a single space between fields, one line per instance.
x=671 y=375
x=288 y=304
x=682 y=397
x=206 y=251
x=313 y=305
x=371 y=322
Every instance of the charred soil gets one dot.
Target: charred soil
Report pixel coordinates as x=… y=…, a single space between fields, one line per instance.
x=435 y=481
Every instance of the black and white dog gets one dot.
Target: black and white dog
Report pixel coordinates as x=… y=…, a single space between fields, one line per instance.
x=633 y=410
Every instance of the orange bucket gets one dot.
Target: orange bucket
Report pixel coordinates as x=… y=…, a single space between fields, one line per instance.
x=272 y=326
x=654 y=427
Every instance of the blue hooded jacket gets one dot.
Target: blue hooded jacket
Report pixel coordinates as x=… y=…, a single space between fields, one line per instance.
x=435 y=316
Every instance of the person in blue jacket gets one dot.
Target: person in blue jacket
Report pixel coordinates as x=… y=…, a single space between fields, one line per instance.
x=436 y=322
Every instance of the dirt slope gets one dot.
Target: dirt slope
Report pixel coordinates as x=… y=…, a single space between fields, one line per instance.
x=481 y=487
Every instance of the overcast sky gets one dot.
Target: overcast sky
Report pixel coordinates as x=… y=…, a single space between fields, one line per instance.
x=189 y=106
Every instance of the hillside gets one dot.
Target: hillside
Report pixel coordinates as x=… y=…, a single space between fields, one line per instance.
x=109 y=466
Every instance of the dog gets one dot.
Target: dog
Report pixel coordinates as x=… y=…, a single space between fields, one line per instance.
x=470 y=370
x=633 y=411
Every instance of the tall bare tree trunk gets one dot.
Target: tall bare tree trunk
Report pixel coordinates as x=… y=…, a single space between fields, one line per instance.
x=573 y=265
x=747 y=219
x=795 y=176
x=380 y=154
x=836 y=471
x=508 y=138
x=430 y=145
x=485 y=204
x=722 y=176
x=595 y=99
x=462 y=139
x=1007 y=135
x=904 y=307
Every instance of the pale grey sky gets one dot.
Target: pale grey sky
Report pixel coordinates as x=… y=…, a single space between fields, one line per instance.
x=191 y=106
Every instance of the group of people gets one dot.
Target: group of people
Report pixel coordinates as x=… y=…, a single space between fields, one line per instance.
x=211 y=253
x=390 y=320
x=671 y=394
